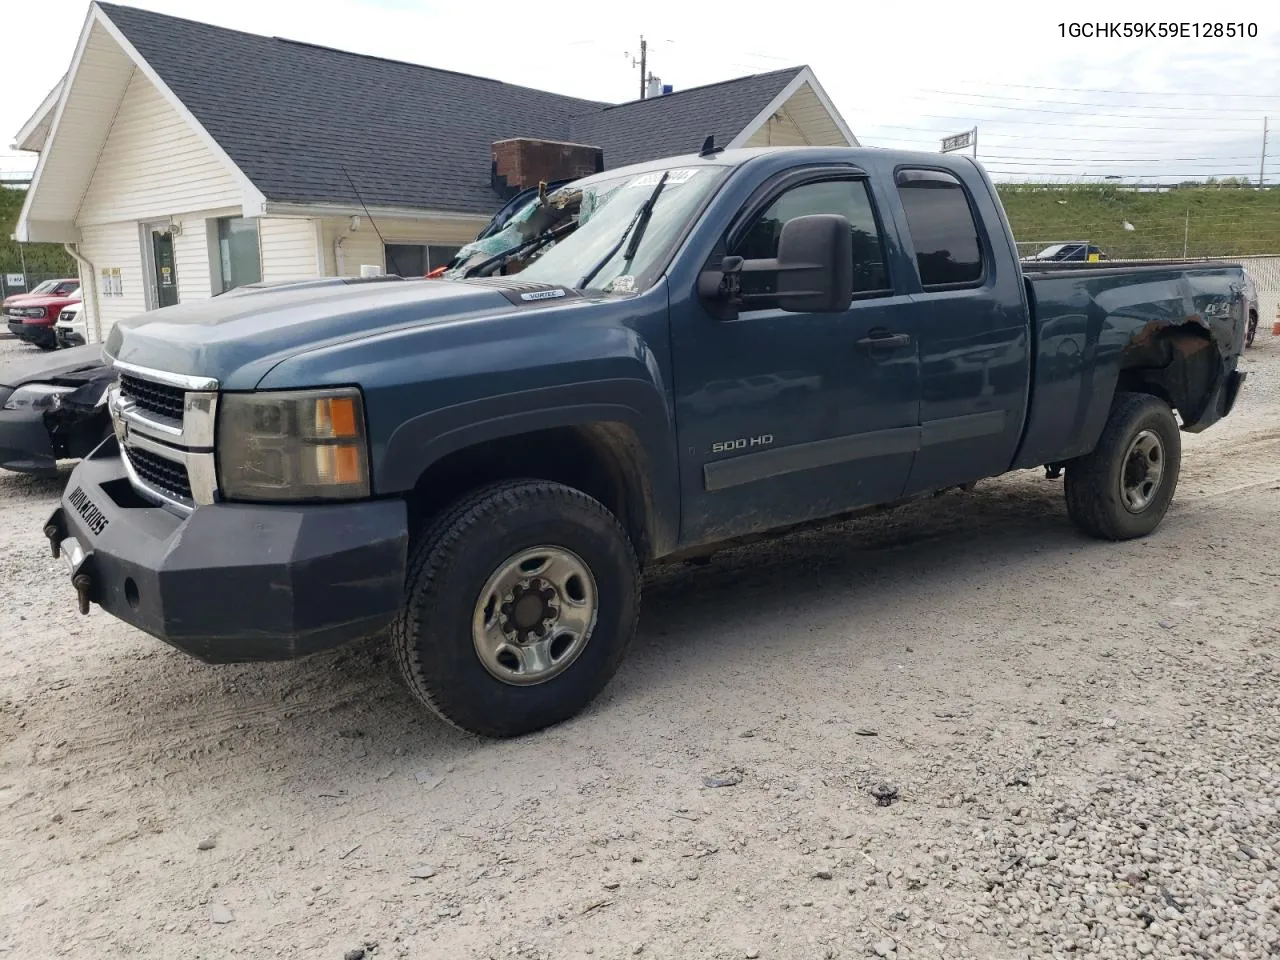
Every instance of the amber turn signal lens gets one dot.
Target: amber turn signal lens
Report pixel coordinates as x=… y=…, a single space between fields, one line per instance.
x=339 y=465
x=336 y=418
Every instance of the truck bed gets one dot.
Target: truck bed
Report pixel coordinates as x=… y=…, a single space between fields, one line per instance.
x=1094 y=324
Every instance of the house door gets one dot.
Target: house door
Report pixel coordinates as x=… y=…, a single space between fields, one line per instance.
x=162 y=271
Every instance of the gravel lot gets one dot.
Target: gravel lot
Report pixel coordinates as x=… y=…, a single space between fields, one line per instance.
x=1084 y=740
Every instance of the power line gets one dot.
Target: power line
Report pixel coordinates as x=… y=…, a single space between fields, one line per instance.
x=1254 y=111
x=1100 y=161
x=1091 y=152
x=942 y=132
x=970 y=119
x=1142 y=93
x=1104 y=157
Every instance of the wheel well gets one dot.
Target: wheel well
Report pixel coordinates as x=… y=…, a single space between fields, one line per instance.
x=1177 y=364
x=603 y=460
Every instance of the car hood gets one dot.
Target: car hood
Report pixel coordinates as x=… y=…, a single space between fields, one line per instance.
x=44 y=300
x=76 y=363
x=237 y=340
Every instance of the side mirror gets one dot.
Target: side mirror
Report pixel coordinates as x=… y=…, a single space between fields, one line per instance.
x=814 y=270
x=815 y=264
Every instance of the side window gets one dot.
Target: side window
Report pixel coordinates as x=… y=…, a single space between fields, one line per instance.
x=850 y=199
x=942 y=227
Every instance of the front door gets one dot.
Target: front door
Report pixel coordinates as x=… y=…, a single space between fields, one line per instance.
x=162 y=271
x=785 y=417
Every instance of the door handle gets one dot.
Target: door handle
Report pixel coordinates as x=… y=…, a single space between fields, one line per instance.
x=883 y=340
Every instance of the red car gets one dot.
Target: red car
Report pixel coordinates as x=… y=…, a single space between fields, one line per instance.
x=60 y=287
x=31 y=316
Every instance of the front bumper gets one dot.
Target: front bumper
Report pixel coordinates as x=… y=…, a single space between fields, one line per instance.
x=231 y=583
x=31 y=332
x=25 y=444
x=68 y=337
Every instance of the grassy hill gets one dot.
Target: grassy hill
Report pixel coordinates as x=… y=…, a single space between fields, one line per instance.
x=1218 y=221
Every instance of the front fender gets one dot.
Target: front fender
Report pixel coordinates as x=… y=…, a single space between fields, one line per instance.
x=435 y=389
x=638 y=405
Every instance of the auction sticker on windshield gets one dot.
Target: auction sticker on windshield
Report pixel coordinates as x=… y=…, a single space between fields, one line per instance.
x=673 y=177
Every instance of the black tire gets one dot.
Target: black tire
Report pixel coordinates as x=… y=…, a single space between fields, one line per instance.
x=1252 y=330
x=1095 y=499
x=450 y=566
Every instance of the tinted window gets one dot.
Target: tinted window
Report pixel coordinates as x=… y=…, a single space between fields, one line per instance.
x=850 y=199
x=942 y=230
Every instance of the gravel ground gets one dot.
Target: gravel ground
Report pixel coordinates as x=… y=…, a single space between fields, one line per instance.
x=955 y=730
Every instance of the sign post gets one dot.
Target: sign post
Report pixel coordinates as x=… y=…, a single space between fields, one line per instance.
x=961 y=141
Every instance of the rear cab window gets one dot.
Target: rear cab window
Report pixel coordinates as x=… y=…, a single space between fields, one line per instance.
x=944 y=231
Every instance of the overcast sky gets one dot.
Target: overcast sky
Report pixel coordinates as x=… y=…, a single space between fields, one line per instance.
x=902 y=73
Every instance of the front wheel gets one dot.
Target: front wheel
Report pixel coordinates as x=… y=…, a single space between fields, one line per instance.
x=520 y=603
x=1252 y=330
x=1122 y=489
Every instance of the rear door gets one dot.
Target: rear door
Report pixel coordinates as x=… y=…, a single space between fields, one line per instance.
x=970 y=315
x=785 y=417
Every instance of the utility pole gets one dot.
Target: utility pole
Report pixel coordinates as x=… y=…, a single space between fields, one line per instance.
x=642 y=63
x=1262 y=164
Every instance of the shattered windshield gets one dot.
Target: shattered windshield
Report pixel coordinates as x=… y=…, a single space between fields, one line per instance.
x=561 y=237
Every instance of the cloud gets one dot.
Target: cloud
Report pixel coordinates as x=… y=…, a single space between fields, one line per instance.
x=876 y=61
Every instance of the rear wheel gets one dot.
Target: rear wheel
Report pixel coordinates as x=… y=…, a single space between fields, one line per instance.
x=520 y=603
x=1122 y=489
x=1252 y=330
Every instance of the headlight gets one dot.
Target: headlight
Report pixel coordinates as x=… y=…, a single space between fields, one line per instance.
x=292 y=445
x=36 y=396
x=33 y=311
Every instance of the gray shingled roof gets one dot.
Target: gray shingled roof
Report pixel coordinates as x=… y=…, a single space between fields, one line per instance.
x=292 y=115
x=678 y=123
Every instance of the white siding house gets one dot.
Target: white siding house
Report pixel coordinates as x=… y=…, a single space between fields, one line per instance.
x=169 y=184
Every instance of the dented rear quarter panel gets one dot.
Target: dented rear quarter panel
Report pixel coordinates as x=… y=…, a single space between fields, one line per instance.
x=1085 y=321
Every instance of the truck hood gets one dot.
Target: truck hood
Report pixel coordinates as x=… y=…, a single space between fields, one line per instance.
x=237 y=340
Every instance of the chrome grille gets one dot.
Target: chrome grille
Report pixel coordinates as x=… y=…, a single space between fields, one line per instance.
x=164 y=424
x=160 y=472
x=157 y=398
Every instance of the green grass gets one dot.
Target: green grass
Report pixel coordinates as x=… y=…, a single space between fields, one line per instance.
x=1219 y=221
x=42 y=259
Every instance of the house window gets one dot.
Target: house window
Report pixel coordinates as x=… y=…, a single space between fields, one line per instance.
x=239 y=259
x=417 y=259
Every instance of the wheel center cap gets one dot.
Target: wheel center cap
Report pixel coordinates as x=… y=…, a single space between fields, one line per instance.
x=532 y=609
x=528 y=610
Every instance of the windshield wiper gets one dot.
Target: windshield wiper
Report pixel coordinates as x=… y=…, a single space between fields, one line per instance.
x=635 y=230
x=527 y=247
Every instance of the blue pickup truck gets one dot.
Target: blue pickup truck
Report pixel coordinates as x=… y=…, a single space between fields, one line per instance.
x=725 y=345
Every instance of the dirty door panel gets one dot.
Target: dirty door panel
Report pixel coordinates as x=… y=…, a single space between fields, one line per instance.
x=785 y=417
